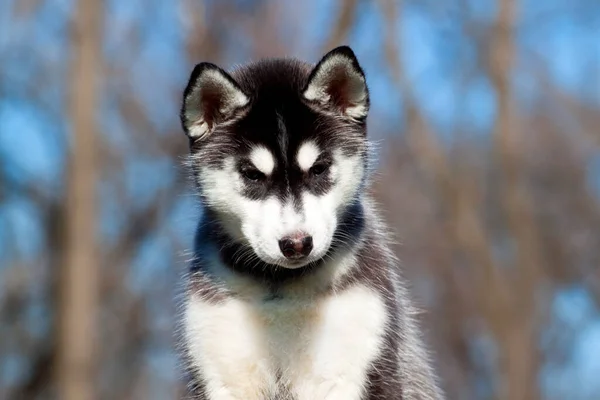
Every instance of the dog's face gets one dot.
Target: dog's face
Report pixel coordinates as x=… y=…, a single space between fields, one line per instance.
x=279 y=151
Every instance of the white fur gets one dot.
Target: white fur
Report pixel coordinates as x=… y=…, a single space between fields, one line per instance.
x=225 y=343
x=358 y=111
x=307 y=155
x=317 y=93
x=198 y=129
x=262 y=223
x=322 y=347
x=262 y=159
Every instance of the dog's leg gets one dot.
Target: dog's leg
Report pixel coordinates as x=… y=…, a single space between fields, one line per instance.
x=228 y=351
x=346 y=340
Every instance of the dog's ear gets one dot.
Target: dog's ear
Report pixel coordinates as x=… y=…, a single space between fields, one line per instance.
x=338 y=83
x=211 y=97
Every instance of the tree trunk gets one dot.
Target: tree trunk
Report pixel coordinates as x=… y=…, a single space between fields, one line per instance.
x=517 y=334
x=77 y=285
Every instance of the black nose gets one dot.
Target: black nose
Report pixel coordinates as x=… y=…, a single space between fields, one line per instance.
x=296 y=246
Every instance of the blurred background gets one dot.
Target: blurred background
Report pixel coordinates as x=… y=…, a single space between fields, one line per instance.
x=487 y=116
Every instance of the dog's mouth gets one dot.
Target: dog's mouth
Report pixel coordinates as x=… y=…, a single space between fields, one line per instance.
x=294 y=264
x=287 y=263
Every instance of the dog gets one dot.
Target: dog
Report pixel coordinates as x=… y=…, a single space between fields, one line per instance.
x=293 y=292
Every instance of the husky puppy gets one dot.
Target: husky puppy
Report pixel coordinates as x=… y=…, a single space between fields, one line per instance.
x=293 y=292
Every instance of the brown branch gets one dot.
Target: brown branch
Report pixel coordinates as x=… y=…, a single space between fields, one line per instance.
x=519 y=336
x=345 y=21
x=41 y=374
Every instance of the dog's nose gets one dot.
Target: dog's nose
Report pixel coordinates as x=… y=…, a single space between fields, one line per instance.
x=296 y=246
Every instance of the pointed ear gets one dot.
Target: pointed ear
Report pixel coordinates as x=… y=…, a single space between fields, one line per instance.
x=338 y=83
x=211 y=97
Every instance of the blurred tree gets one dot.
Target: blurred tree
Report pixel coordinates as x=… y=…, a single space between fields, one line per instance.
x=77 y=283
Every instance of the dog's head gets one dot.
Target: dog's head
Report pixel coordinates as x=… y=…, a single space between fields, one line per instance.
x=279 y=151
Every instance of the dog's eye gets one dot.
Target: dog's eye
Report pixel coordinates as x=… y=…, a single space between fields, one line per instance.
x=318 y=169
x=252 y=174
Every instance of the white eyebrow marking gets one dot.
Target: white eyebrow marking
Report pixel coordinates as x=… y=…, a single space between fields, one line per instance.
x=262 y=159
x=307 y=155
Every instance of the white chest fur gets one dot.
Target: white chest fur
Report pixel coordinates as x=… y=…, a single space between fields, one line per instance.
x=319 y=350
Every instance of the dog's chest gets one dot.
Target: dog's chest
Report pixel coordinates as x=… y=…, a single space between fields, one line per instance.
x=283 y=349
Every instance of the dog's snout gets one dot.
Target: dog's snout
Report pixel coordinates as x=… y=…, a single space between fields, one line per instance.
x=296 y=246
